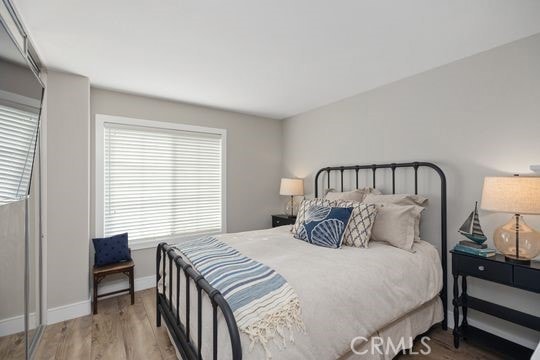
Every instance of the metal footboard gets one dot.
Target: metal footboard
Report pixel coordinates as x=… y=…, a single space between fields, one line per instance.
x=169 y=262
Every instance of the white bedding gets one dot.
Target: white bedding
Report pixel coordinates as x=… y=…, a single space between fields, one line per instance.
x=344 y=293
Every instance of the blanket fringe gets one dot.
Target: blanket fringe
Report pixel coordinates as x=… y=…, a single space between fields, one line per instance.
x=274 y=327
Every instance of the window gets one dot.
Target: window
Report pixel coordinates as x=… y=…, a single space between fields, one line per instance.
x=18 y=131
x=158 y=180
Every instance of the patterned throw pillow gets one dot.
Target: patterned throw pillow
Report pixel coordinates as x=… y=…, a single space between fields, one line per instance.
x=325 y=226
x=111 y=250
x=358 y=232
x=304 y=206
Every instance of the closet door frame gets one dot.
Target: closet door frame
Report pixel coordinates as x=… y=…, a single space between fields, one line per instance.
x=39 y=257
x=10 y=19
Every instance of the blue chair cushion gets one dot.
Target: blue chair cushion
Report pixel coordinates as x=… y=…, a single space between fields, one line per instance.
x=324 y=226
x=111 y=250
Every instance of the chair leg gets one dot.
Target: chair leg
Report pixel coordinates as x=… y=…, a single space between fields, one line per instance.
x=94 y=296
x=132 y=287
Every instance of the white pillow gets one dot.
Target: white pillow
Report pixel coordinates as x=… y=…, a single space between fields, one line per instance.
x=396 y=224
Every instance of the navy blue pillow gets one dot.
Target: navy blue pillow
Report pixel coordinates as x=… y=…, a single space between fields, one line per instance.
x=324 y=226
x=111 y=250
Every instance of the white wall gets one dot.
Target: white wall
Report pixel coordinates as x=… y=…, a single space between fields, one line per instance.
x=475 y=117
x=253 y=157
x=67 y=187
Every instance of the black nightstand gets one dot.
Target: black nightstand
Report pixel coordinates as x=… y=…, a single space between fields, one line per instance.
x=280 y=220
x=495 y=269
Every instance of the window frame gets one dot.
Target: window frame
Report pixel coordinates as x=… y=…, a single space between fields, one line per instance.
x=99 y=177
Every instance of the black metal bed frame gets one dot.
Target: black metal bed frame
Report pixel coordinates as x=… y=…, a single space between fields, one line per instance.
x=393 y=166
x=169 y=309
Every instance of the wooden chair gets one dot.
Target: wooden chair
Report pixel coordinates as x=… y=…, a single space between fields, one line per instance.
x=101 y=272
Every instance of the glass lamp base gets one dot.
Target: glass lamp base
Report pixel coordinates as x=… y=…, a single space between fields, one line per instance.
x=516 y=260
x=291 y=207
x=517 y=241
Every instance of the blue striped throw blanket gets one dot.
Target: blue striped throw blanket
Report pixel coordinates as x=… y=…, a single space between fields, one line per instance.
x=265 y=306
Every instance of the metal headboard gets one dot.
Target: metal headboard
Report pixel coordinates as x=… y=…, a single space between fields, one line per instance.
x=393 y=166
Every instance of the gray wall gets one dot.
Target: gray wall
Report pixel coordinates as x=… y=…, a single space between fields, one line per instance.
x=19 y=80
x=12 y=260
x=253 y=157
x=475 y=117
x=12 y=257
x=12 y=252
x=67 y=187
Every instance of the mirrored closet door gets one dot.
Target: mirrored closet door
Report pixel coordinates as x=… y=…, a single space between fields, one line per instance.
x=21 y=300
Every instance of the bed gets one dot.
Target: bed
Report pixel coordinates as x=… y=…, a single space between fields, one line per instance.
x=348 y=296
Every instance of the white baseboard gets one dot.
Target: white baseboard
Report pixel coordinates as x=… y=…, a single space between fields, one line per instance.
x=68 y=312
x=497 y=331
x=83 y=308
x=15 y=324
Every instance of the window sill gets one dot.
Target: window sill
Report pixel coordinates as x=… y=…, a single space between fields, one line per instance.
x=153 y=243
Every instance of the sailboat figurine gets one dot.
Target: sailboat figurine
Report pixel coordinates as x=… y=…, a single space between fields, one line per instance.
x=471 y=227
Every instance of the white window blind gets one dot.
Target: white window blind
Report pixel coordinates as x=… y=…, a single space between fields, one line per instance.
x=18 y=131
x=161 y=182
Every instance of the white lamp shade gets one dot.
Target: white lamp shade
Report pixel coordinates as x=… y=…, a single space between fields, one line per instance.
x=291 y=187
x=512 y=194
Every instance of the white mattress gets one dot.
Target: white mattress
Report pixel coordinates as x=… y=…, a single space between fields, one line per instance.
x=344 y=293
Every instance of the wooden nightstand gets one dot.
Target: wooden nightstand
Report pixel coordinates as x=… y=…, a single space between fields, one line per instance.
x=280 y=220
x=495 y=269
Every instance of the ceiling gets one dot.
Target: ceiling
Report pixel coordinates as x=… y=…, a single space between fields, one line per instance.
x=267 y=57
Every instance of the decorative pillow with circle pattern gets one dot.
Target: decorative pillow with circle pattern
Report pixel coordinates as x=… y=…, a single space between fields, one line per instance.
x=325 y=226
x=304 y=206
x=111 y=250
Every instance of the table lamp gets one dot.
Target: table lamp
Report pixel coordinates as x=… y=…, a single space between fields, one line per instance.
x=518 y=195
x=292 y=188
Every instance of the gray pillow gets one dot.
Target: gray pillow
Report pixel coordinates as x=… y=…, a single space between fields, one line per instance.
x=396 y=224
x=397 y=199
x=354 y=195
x=400 y=199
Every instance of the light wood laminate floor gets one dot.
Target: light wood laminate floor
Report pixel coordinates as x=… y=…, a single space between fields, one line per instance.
x=124 y=331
